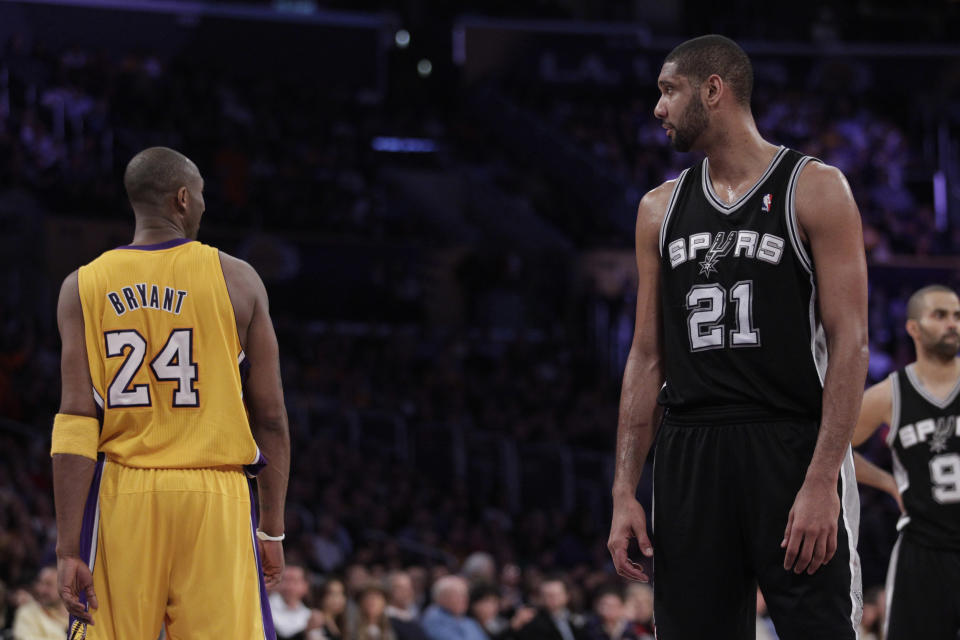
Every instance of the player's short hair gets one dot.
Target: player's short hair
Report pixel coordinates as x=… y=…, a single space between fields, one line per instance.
x=156 y=173
x=918 y=303
x=702 y=57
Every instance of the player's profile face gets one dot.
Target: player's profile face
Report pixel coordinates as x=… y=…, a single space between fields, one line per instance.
x=939 y=326
x=680 y=108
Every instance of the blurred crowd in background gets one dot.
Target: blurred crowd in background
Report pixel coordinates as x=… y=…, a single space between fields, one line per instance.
x=449 y=264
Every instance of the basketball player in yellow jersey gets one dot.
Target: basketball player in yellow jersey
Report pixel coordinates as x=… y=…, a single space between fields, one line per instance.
x=154 y=512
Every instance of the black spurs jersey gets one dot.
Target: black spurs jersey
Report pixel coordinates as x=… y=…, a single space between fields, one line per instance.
x=925 y=440
x=741 y=332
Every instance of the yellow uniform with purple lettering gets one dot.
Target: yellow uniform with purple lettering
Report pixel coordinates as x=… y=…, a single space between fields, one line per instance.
x=169 y=523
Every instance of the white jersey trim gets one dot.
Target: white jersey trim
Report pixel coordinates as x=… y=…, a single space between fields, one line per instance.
x=670 y=207
x=894 y=408
x=719 y=204
x=850 y=512
x=793 y=228
x=922 y=390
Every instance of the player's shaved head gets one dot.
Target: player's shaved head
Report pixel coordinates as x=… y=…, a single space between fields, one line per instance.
x=918 y=301
x=157 y=173
x=700 y=58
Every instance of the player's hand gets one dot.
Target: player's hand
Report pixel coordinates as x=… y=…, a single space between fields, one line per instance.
x=271 y=561
x=811 y=534
x=629 y=521
x=891 y=488
x=74 y=579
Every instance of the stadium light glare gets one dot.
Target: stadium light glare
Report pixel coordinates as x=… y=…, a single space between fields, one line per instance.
x=424 y=68
x=402 y=38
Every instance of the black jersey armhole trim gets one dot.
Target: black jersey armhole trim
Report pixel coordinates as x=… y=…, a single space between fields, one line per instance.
x=671 y=205
x=793 y=227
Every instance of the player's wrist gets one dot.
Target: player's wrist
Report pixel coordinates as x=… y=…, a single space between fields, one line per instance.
x=266 y=537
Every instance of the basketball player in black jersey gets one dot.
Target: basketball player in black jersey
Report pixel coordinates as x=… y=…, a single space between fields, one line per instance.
x=921 y=403
x=751 y=272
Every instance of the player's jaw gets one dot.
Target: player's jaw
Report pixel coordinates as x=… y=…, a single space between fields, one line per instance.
x=689 y=127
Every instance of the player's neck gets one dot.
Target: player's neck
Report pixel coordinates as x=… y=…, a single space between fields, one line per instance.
x=934 y=371
x=155 y=229
x=738 y=152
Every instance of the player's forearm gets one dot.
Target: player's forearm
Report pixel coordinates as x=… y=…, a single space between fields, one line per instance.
x=638 y=422
x=273 y=437
x=873 y=476
x=72 y=476
x=842 y=396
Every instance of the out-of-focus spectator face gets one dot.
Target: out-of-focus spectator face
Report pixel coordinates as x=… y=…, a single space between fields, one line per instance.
x=294 y=587
x=609 y=608
x=401 y=590
x=510 y=575
x=372 y=604
x=45 y=587
x=357 y=578
x=485 y=609
x=418 y=578
x=452 y=594
x=640 y=603
x=553 y=594
x=334 y=598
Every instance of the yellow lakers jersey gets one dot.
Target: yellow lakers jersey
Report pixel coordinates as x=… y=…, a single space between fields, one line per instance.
x=165 y=357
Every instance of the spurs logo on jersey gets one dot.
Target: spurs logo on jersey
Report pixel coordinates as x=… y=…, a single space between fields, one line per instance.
x=925 y=443
x=738 y=297
x=932 y=431
x=743 y=243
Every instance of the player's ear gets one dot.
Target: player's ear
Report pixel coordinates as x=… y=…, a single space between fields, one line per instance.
x=183 y=197
x=713 y=88
x=913 y=328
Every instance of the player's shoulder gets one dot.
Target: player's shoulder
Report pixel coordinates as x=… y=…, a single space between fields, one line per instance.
x=653 y=205
x=820 y=180
x=239 y=273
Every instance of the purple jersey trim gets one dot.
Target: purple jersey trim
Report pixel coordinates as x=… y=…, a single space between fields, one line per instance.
x=157 y=247
x=88 y=534
x=268 y=631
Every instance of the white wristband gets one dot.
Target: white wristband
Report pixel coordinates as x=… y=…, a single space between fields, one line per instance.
x=261 y=535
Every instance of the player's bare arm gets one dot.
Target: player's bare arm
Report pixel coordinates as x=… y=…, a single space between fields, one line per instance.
x=72 y=474
x=642 y=378
x=830 y=224
x=874 y=411
x=263 y=393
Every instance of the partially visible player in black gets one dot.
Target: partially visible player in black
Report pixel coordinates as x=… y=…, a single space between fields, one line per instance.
x=921 y=403
x=751 y=272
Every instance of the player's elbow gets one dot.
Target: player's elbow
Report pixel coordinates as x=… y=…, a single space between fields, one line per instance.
x=272 y=421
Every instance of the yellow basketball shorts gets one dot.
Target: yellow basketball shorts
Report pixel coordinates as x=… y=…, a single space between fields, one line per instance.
x=173 y=548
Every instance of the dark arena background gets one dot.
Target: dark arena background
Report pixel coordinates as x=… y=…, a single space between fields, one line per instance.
x=440 y=198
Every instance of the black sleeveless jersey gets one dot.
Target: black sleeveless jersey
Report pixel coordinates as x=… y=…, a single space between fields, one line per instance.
x=740 y=328
x=925 y=440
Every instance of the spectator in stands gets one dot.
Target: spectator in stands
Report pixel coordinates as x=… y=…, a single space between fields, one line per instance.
x=371 y=622
x=553 y=620
x=485 y=609
x=874 y=612
x=609 y=621
x=479 y=567
x=639 y=609
x=291 y=617
x=446 y=618
x=333 y=606
x=44 y=617
x=401 y=608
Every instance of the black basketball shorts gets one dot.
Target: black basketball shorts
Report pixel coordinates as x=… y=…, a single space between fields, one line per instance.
x=722 y=495
x=923 y=592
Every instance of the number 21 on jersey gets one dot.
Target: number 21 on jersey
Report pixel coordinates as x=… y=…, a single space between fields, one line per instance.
x=707 y=304
x=173 y=363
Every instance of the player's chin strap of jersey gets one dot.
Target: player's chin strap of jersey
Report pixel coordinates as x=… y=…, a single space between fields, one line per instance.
x=76 y=435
